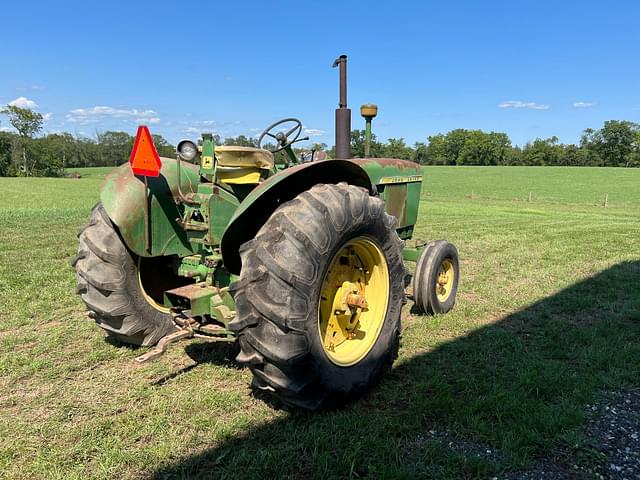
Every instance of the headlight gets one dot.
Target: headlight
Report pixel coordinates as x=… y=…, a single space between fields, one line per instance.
x=187 y=150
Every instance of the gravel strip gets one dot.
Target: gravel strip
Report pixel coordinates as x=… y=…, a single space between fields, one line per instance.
x=611 y=449
x=612 y=436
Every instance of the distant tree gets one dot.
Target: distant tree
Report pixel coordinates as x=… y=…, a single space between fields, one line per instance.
x=467 y=147
x=481 y=148
x=437 y=151
x=574 y=156
x=543 y=152
x=420 y=153
x=455 y=143
x=164 y=148
x=397 y=148
x=515 y=157
x=87 y=153
x=28 y=123
x=357 y=145
x=6 y=140
x=61 y=146
x=614 y=145
x=115 y=147
x=241 y=141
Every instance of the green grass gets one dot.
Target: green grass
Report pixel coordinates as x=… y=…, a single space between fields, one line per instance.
x=90 y=172
x=548 y=318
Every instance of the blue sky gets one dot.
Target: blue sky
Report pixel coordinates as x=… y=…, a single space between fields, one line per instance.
x=528 y=68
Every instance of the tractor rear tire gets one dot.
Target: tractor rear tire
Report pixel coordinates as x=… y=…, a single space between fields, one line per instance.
x=281 y=320
x=435 y=283
x=108 y=283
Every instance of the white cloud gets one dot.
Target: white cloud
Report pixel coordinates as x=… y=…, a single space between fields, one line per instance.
x=148 y=120
x=521 y=104
x=5 y=128
x=23 y=102
x=314 y=132
x=47 y=116
x=583 y=104
x=35 y=88
x=100 y=112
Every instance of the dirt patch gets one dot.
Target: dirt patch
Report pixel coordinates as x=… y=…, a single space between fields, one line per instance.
x=465 y=447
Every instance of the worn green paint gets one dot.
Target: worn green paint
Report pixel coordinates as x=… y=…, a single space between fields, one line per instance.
x=217 y=206
x=367 y=136
x=198 y=301
x=193 y=267
x=123 y=196
x=207 y=157
x=386 y=168
x=412 y=254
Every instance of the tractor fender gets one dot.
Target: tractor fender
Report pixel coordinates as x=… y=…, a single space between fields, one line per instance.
x=123 y=197
x=258 y=206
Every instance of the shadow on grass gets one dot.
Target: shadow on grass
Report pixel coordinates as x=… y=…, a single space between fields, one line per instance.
x=219 y=353
x=518 y=386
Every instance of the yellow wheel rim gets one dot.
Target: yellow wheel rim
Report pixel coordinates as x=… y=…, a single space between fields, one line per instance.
x=444 y=280
x=353 y=301
x=158 y=306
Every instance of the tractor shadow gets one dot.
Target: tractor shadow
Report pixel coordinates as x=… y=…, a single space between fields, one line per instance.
x=222 y=353
x=216 y=353
x=518 y=386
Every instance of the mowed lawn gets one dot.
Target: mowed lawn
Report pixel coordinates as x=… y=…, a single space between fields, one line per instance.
x=547 y=321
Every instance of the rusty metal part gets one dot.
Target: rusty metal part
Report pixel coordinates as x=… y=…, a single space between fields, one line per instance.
x=355 y=300
x=350 y=299
x=396 y=202
x=194 y=297
x=162 y=345
x=343 y=114
x=185 y=322
x=389 y=162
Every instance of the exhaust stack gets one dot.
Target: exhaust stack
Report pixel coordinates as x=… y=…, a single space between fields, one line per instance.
x=343 y=114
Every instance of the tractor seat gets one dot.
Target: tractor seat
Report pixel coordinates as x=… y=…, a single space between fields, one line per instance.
x=246 y=157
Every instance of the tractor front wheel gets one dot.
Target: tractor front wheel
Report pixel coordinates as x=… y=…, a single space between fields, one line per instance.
x=319 y=297
x=435 y=282
x=122 y=292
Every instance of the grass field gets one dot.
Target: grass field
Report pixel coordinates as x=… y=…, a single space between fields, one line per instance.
x=547 y=320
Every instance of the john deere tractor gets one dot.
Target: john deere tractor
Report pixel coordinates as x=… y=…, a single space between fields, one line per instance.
x=301 y=264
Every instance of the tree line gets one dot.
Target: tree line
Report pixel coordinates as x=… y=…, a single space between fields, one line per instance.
x=616 y=144
x=25 y=153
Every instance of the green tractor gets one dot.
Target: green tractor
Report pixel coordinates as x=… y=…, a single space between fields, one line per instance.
x=301 y=264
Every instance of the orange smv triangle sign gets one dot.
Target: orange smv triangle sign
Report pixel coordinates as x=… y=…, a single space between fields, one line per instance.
x=144 y=158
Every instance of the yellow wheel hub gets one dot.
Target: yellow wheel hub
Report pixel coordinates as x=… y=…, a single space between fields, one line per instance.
x=444 y=281
x=353 y=301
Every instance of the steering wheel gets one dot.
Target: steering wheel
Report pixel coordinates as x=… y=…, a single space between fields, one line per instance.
x=282 y=137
